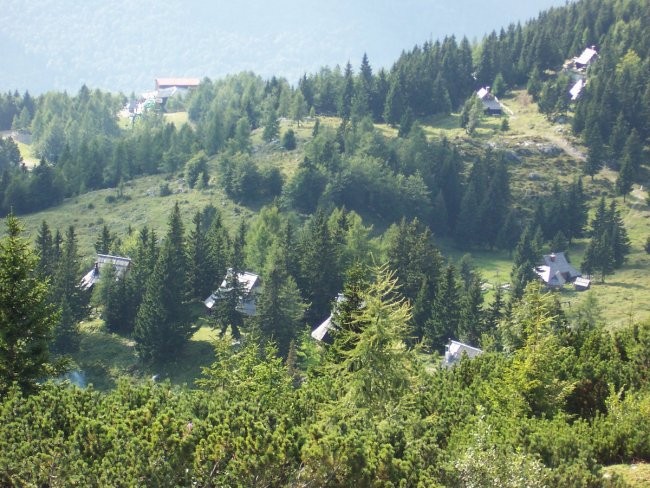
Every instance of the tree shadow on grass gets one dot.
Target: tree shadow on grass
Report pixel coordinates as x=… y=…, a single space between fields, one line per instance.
x=104 y=357
x=185 y=368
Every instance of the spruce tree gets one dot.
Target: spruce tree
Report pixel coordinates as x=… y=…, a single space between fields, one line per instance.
x=280 y=308
x=633 y=152
x=624 y=179
x=609 y=244
x=576 y=210
x=45 y=249
x=161 y=325
x=619 y=238
x=414 y=257
x=595 y=150
x=199 y=273
x=120 y=299
x=471 y=323
x=104 y=241
x=422 y=309
x=271 y=125
x=218 y=252
x=239 y=247
x=320 y=280
x=495 y=311
x=524 y=261
x=67 y=292
x=443 y=324
x=345 y=102
x=27 y=315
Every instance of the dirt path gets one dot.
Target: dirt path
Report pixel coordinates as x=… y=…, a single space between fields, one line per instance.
x=568 y=148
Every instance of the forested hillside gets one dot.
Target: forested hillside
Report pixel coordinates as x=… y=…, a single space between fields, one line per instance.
x=384 y=205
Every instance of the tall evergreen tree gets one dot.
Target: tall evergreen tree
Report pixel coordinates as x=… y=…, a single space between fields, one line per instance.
x=319 y=270
x=524 y=261
x=624 y=178
x=161 y=324
x=444 y=321
x=471 y=321
x=27 y=315
x=414 y=257
x=68 y=293
x=199 y=272
x=218 y=251
x=609 y=245
x=596 y=150
x=104 y=241
x=116 y=295
x=280 y=308
x=46 y=253
x=226 y=311
x=345 y=102
x=619 y=238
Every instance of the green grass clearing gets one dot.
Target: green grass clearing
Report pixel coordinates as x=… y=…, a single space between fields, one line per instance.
x=104 y=357
x=633 y=475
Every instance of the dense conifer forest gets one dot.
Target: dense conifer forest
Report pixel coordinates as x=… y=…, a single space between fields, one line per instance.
x=364 y=205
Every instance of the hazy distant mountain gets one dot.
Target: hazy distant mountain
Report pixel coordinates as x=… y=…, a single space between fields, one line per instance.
x=124 y=44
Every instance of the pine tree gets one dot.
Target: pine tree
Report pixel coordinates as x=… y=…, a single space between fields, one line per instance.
x=377 y=371
x=633 y=152
x=609 y=244
x=27 y=315
x=395 y=104
x=422 y=307
x=507 y=235
x=271 y=125
x=576 y=210
x=66 y=338
x=494 y=313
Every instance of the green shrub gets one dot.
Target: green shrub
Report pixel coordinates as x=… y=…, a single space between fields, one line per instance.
x=289 y=140
x=164 y=190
